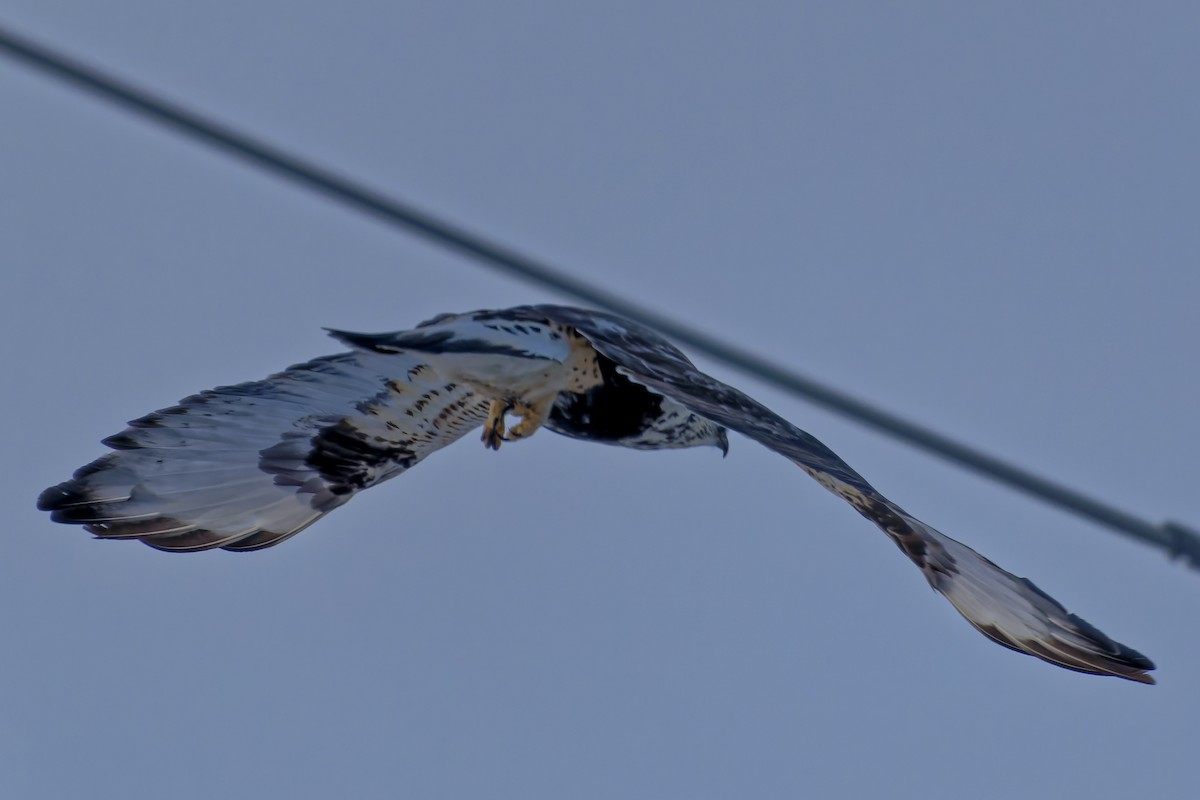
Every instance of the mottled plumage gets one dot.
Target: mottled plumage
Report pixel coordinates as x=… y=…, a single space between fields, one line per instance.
x=244 y=467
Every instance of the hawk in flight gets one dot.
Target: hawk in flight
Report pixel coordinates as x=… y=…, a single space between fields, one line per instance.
x=244 y=467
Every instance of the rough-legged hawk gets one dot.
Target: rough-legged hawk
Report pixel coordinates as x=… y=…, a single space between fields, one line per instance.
x=244 y=467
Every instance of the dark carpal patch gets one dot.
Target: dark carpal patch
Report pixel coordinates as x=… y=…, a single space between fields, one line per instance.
x=616 y=409
x=349 y=459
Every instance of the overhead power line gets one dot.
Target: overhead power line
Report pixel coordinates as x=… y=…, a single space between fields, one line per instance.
x=1176 y=539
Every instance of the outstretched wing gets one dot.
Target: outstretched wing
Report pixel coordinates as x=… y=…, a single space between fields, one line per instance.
x=244 y=467
x=1009 y=610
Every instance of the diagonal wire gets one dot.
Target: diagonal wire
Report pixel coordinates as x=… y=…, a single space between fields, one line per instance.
x=1176 y=539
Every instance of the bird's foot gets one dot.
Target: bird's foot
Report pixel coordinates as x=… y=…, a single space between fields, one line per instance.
x=532 y=417
x=493 y=428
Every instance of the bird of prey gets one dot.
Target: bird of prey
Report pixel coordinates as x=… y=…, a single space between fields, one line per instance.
x=244 y=467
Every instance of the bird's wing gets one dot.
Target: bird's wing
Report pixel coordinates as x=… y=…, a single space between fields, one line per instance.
x=1009 y=610
x=244 y=467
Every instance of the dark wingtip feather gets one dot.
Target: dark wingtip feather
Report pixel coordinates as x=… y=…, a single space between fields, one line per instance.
x=1105 y=657
x=68 y=493
x=345 y=337
x=190 y=542
x=371 y=342
x=78 y=491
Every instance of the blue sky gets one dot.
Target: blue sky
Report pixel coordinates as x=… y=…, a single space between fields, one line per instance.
x=981 y=216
